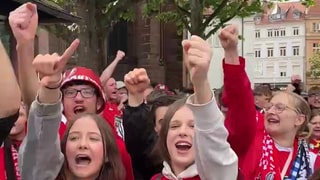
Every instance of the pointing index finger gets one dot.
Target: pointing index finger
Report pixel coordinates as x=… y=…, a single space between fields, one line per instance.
x=67 y=54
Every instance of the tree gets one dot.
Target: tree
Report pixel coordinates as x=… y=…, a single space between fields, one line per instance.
x=314 y=66
x=197 y=15
x=98 y=18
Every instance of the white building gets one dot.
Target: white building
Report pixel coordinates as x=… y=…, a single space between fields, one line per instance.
x=245 y=49
x=273 y=46
x=279 y=45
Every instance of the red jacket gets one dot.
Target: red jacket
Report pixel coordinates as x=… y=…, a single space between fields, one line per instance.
x=241 y=119
x=245 y=125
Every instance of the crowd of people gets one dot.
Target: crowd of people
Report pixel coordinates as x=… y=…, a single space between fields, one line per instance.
x=67 y=124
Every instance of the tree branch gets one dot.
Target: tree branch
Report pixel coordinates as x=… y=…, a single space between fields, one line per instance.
x=182 y=13
x=182 y=10
x=220 y=24
x=215 y=12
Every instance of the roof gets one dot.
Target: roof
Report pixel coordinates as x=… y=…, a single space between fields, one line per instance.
x=314 y=11
x=49 y=12
x=286 y=9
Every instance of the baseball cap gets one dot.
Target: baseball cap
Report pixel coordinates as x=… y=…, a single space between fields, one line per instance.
x=87 y=75
x=120 y=84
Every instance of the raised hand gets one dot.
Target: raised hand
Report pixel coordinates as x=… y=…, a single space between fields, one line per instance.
x=24 y=22
x=197 y=58
x=50 y=66
x=229 y=37
x=120 y=55
x=229 y=41
x=137 y=81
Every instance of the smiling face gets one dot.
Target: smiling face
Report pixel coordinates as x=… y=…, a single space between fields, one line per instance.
x=315 y=125
x=286 y=114
x=180 y=139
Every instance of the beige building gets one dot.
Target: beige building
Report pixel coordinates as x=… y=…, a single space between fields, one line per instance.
x=312 y=21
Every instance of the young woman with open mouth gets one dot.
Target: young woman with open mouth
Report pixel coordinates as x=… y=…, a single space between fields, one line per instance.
x=192 y=138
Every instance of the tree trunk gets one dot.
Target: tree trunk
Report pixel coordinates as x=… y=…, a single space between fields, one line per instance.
x=92 y=46
x=196 y=18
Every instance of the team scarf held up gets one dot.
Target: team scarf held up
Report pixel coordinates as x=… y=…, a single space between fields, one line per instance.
x=270 y=170
x=9 y=169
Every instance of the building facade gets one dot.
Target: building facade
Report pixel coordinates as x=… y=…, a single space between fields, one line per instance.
x=312 y=28
x=279 y=46
x=245 y=49
x=276 y=44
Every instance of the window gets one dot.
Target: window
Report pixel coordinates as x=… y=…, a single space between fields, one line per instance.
x=282 y=32
x=270 y=52
x=257 y=33
x=276 y=33
x=282 y=51
x=295 y=50
x=295 y=31
x=269 y=32
x=270 y=71
x=258 y=69
x=295 y=69
x=257 y=53
x=316 y=27
x=283 y=74
x=315 y=47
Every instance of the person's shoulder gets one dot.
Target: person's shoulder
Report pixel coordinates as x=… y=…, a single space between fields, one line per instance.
x=157 y=177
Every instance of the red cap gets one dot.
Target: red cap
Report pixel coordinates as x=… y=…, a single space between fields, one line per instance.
x=86 y=75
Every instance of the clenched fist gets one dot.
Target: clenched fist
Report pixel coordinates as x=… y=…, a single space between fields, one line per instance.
x=197 y=58
x=50 y=66
x=137 y=81
x=24 y=22
x=229 y=38
x=120 y=55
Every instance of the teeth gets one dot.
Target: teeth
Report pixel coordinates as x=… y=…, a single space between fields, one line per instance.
x=183 y=144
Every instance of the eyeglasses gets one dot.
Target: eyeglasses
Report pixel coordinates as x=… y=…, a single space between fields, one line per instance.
x=85 y=92
x=312 y=95
x=279 y=108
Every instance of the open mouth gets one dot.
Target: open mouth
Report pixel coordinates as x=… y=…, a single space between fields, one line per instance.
x=316 y=130
x=183 y=146
x=83 y=160
x=273 y=121
x=79 y=109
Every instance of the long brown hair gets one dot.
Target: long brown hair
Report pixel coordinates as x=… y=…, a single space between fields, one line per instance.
x=162 y=140
x=112 y=168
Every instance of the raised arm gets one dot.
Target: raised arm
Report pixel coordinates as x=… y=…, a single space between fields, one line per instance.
x=241 y=116
x=10 y=97
x=24 y=22
x=140 y=135
x=214 y=157
x=107 y=73
x=40 y=155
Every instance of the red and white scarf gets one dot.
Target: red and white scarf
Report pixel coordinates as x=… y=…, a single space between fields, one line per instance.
x=3 y=163
x=269 y=167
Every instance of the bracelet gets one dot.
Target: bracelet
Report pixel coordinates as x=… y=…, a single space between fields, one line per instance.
x=57 y=87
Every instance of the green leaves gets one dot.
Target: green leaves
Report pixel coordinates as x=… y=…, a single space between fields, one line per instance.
x=198 y=15
x=314 y=66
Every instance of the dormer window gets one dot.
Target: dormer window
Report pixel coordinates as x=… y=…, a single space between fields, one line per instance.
x=296 y=14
